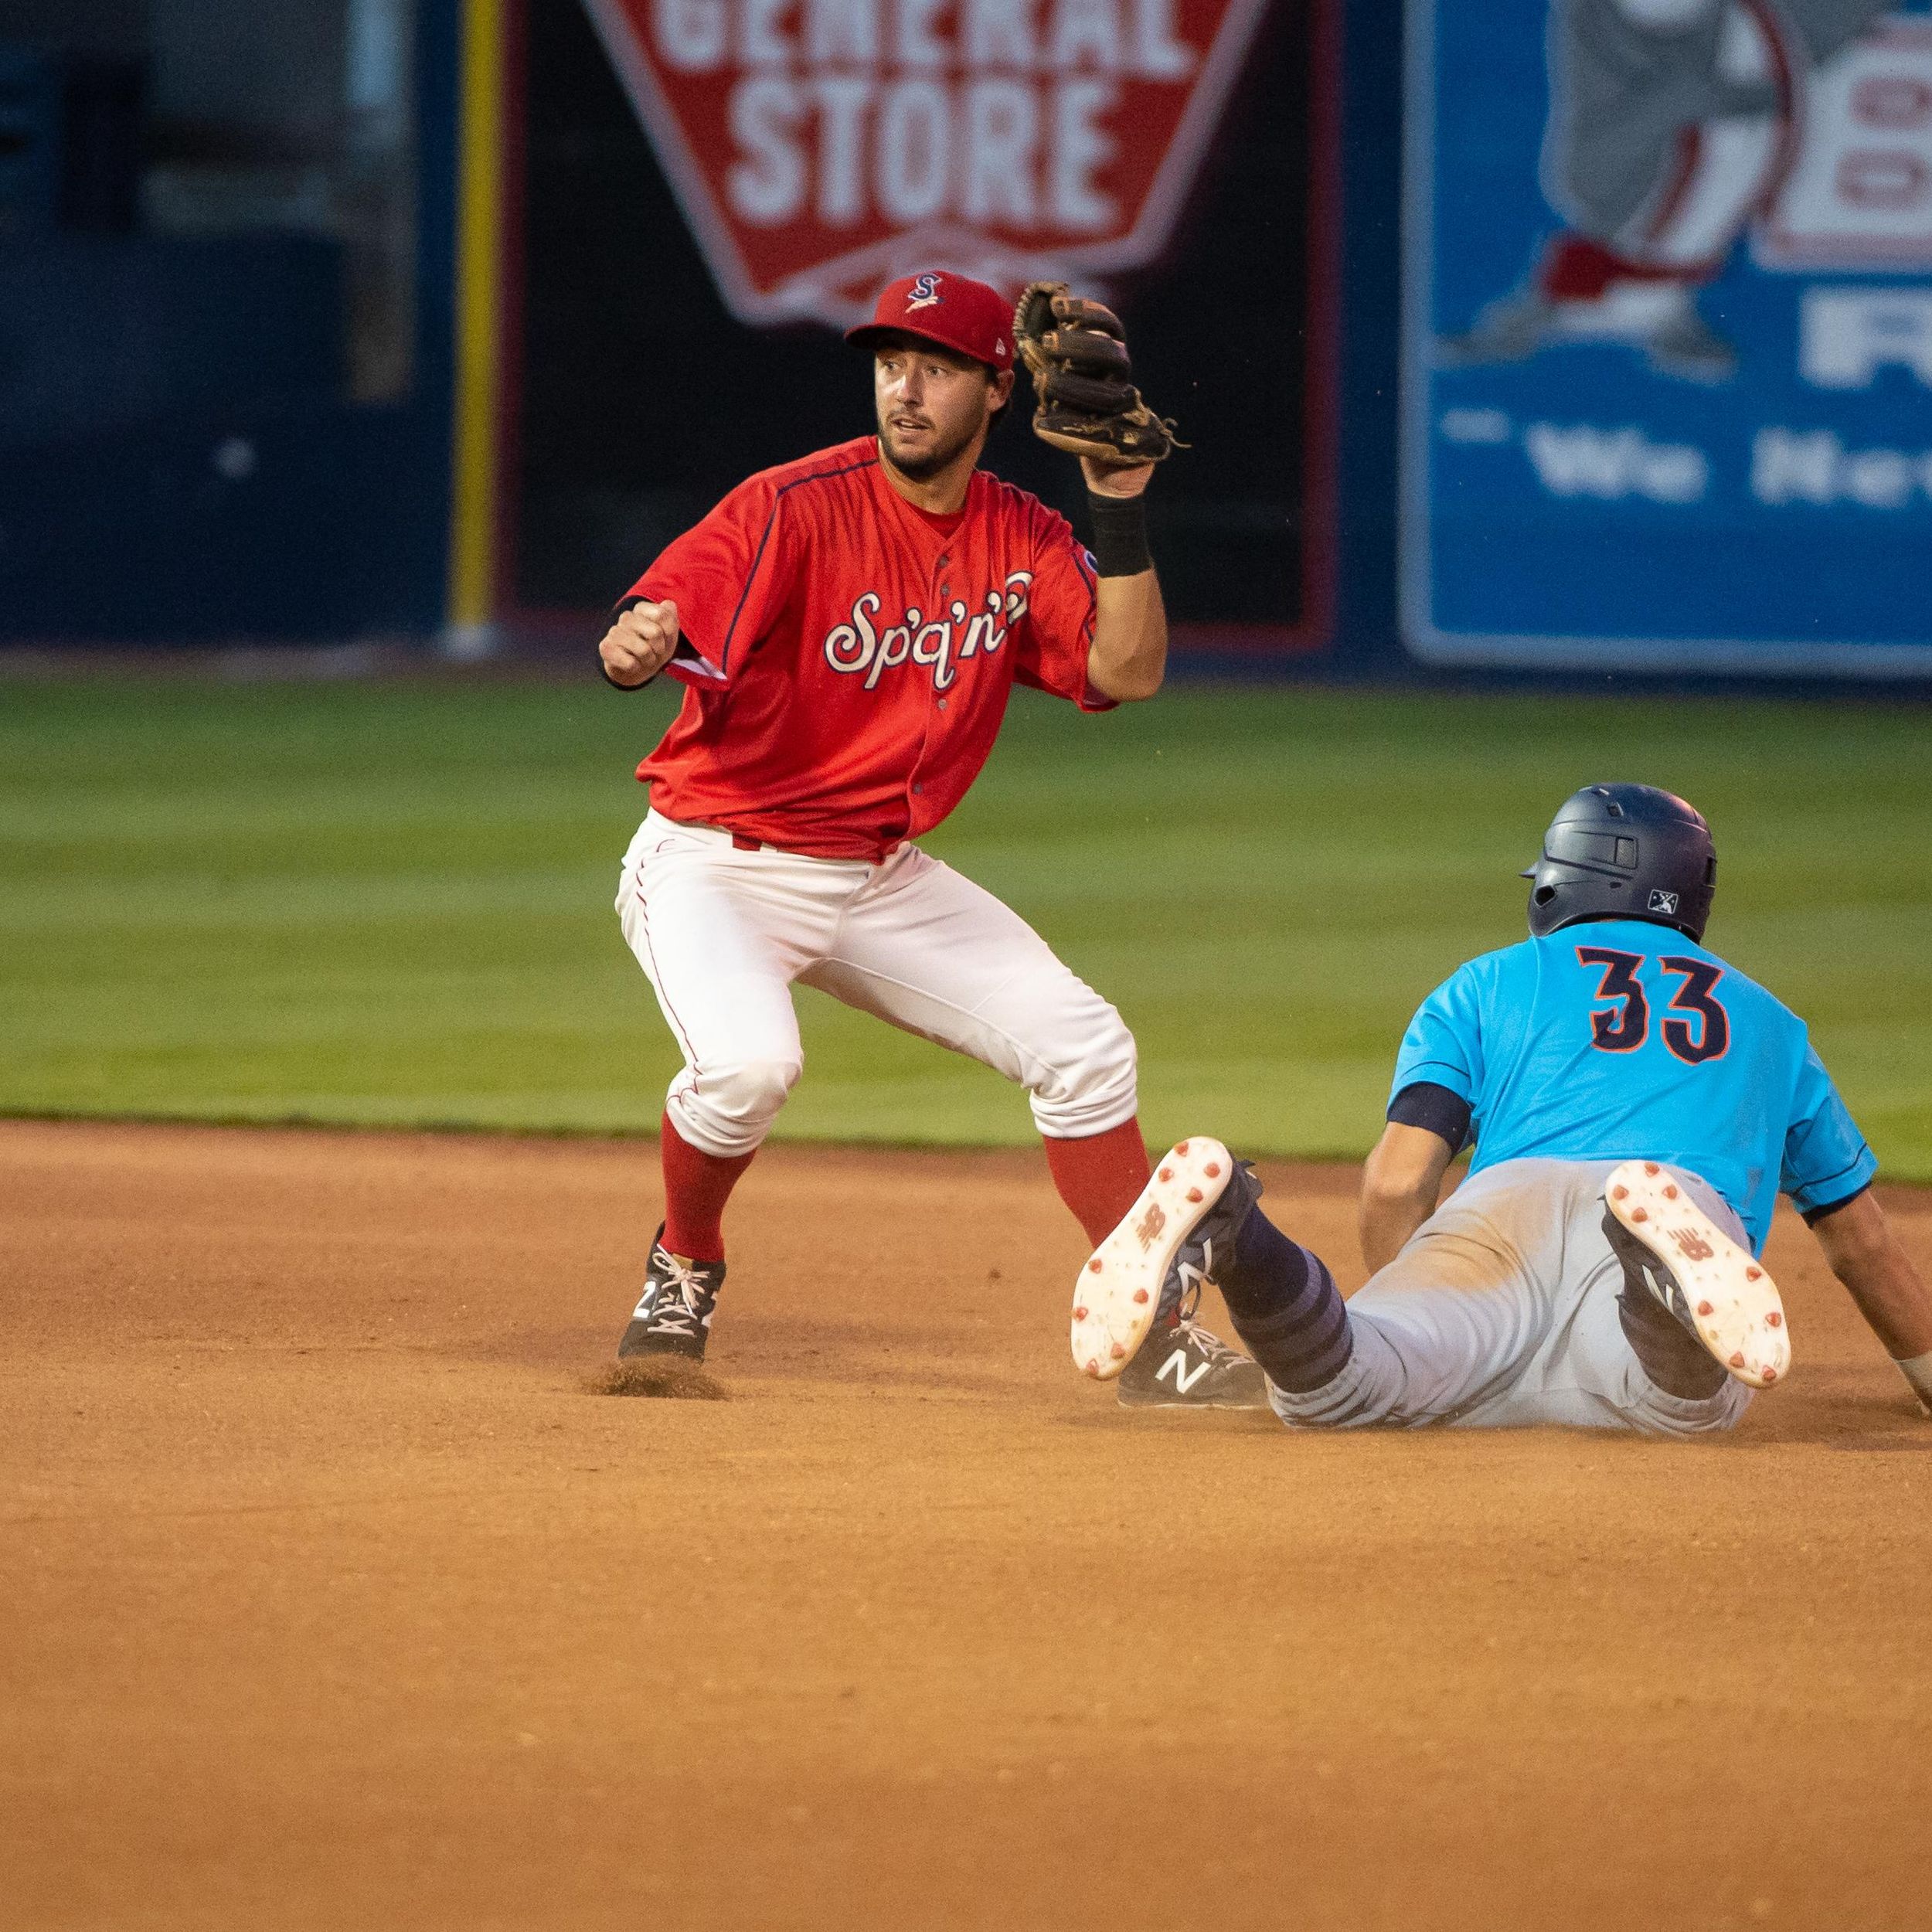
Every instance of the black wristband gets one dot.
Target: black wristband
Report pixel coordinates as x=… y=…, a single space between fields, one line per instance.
x=1120 y=535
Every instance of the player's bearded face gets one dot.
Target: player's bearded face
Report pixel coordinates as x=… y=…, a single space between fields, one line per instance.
x=932 y=404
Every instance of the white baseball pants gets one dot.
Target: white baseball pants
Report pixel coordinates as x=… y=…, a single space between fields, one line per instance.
x=1501 y=1313
x=722 y=935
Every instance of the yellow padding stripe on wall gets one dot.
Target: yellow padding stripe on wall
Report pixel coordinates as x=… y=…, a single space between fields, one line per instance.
x=473 y=456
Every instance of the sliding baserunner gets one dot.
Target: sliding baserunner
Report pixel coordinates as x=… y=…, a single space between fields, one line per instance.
x=1636 y=1105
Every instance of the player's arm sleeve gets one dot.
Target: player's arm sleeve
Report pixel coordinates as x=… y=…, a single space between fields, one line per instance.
x=1445 y=1113
x=1439 y=1067
x=728 y=575
x=1054 y=636
x=1826 y=1160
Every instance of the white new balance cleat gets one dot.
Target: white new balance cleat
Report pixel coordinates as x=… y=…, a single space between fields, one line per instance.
x=1710 y=1284
x=1118 y=1292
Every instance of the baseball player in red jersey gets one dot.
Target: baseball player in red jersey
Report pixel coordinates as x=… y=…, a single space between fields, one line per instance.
x=848 y=628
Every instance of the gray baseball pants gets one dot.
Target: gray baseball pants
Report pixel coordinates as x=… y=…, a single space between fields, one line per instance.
x=1501 y=1313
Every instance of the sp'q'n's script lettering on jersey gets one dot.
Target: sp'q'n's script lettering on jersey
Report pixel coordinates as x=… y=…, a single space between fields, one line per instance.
x=941 y=640
x=819 y=148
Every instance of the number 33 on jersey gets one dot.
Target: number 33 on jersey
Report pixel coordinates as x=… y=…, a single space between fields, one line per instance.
x=1623 y=1027
x=1624 y=1039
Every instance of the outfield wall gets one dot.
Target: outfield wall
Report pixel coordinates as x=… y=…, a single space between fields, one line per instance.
x=227 y=272
x=453 y=356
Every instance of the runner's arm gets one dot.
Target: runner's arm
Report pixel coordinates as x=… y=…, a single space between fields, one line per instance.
x=1891 y=1295
x=1401 y=1183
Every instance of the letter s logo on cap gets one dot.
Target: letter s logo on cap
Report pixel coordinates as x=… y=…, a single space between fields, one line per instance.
x=925 y=293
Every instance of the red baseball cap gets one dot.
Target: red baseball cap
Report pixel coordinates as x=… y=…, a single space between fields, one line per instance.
x=955 y=311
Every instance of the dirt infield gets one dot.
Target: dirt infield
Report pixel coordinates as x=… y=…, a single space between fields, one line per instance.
x=332 y=1599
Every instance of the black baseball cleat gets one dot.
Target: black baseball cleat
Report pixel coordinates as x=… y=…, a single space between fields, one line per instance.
x=1186 y=1367
x=673 y=1315
x=1134 y=1301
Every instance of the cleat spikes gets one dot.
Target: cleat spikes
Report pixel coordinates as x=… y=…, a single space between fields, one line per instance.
x=1673 y=1251
x=1135 y=1279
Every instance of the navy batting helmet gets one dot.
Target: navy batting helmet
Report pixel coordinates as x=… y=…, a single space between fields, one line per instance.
x=1623 y=852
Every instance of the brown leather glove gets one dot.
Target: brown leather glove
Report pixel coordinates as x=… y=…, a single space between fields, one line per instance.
x=1083 y=380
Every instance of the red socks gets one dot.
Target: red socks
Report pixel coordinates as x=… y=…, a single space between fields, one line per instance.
x=1098 y=1177
x=696 y=1186
x=1101 y=1177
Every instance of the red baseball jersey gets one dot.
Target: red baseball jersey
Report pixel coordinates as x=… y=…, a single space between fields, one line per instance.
x=849 y=657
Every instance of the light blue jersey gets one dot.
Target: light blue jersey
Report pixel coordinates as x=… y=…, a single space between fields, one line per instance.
x=1618 y=1039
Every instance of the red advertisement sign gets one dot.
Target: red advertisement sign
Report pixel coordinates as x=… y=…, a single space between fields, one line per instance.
x=819 y=148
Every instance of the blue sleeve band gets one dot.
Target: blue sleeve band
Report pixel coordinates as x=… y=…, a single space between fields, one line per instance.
x=1445 y=1114
x=1814 y=1214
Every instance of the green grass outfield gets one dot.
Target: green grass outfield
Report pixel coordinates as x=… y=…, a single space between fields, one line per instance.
x=389 y=903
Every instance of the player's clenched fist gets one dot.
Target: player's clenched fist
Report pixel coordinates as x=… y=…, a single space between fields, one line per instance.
x=641 y=643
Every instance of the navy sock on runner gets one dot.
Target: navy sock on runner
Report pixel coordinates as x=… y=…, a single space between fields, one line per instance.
x=1287 y=1309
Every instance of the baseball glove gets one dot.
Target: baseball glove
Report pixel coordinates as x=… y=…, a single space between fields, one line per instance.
x=1083 y=380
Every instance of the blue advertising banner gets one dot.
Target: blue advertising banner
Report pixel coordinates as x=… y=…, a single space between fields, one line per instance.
x=1668 y=336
